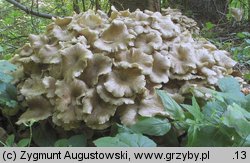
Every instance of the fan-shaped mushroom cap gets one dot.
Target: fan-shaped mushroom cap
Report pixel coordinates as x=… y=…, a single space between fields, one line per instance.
x=87 y=19
x=138 y=58
x=25 y=51
x=33 y=87
x=149 y=42
x=116 y=37
x=183 y=59
x=164 y=25
x=38 y=109
x=160 y=70
x=109 y=98
x=223 y=60
x=125 y=81
x=98 y=65
x=148 y=107
x=68 y=106
x=74 y=59
x=38 y=41
x=47 y=54
x=101 y=111
x=62 y=22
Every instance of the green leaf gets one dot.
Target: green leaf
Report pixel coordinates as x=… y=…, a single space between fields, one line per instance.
x=5 y=66
x=10 y=140
x=171 y=106
x=192 y=135
x=23 y=142
x=152 y=126
x=2 y=87
x=213 y=111
x=247 y=34
x=241 y=35
x=229 y=84
x=62 y=143
x=247 y=77
x=209 y=25
x=1 y=49
x=125 y=140
x=194 y=110
x=247 y=105
x=247 y=41
x=5 y=78
x=77 y=141
x=235 y=117
x=124 y=129
x=210 y=136
x=44 y=136
x=230 y=88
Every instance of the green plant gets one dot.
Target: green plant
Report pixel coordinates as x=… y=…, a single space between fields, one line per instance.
x=241 y=52
x=24 y=142
x=222 y=121
x=125 y=140
x=10 y=142
x=133 y=136
x=73 y=141
x=7 y=90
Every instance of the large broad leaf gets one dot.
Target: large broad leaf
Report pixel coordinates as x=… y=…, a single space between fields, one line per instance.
x=10 y=140
x=62 y=143
x=171 y=106
x=125 y=140
x=247 y=105
x=5 y=66
x=228 y=84
x=23 y=143
x=213 y=111
x=78 y=141
x=73 y=141
x=210 y=136
x=5 y=78
x=124 y=129
x=44 y=136
x=8 y=95
x=194 y=110
x=2 y=87
x=237 y=118
x=230 y=88
x=152 y=126
x=1 y=49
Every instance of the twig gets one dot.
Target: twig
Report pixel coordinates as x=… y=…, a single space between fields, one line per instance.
x=30 y=11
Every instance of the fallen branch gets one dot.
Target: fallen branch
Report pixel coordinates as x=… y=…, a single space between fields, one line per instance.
x=30 y=11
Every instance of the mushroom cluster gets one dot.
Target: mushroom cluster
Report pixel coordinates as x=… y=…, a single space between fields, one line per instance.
x=185 y=22
x=91 y=69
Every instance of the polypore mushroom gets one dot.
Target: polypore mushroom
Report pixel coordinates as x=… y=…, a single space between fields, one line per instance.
x=98 y=65
x=68 y=107
x=88 y=68
x=100 y=111
x=38 y=109
x=148 y=107
x=116 y=37
x=125 y=80
x=74 y=59
x=136 y=57
x=148 y=42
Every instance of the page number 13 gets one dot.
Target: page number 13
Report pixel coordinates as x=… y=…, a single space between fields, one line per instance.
x=240 y=155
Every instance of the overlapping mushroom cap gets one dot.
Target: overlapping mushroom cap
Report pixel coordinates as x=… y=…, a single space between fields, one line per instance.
x=89 y=68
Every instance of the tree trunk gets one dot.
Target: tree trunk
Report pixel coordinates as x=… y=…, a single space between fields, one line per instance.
x=206 y=10
x=132 y=5
x=76 y=7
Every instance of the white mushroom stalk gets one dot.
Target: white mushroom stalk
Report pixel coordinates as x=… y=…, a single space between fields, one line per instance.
x=88 y=68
